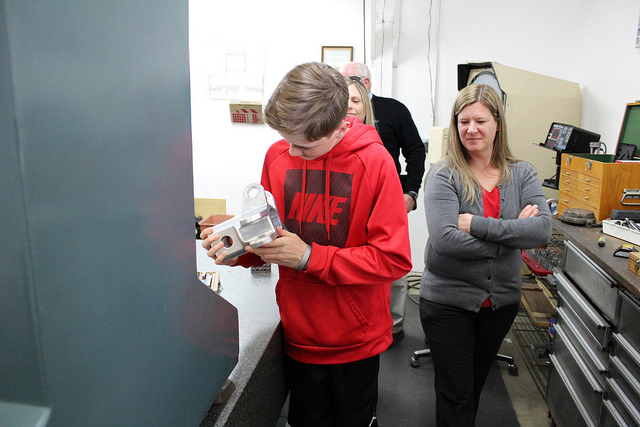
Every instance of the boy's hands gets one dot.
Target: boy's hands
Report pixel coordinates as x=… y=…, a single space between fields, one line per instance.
x=287 y=250
x=208 y=238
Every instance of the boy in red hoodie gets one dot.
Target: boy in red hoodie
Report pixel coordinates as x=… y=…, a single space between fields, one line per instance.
x=346 y=239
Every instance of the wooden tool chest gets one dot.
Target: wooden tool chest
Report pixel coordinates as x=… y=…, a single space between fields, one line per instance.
x=634 y=262
x=595 y=182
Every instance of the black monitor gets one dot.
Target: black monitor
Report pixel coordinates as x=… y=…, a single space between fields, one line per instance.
x=572 y=139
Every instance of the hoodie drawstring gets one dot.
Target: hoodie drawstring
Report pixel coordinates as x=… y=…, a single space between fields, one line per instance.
x=304 y=194
x=327 y=201
x=327 y=205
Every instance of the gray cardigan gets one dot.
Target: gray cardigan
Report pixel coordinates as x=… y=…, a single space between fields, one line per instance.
x=463 y=269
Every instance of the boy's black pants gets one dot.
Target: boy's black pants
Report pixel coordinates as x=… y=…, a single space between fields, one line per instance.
x=342 y=395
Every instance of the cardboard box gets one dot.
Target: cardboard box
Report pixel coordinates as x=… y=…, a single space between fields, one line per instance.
x=205 y=207
x=212 y=220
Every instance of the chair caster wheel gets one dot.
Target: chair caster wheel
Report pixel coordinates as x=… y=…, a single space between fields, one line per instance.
x=513 y=370
x=414 y=362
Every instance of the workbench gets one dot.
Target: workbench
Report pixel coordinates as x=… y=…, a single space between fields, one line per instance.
x=259 y=391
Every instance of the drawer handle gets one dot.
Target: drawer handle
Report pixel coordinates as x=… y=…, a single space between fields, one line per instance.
x=587 y=180
x=636 y=266
x=566 y=201
x=568 y=173
x=587 y=166
x=568 y=181
x=567 y=160
x=586 y=197
x=586 y=188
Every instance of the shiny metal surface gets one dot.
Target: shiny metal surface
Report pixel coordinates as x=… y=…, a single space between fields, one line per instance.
x=256 y=225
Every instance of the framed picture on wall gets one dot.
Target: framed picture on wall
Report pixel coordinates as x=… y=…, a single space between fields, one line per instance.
x=337 y=56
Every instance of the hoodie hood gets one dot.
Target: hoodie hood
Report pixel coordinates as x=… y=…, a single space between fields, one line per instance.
x=356 y=138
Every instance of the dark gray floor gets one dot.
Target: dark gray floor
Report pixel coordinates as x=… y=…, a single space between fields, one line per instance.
x=406 y=395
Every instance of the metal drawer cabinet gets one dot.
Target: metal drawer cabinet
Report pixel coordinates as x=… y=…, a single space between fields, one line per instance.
x=599 y=287
x=573 y=392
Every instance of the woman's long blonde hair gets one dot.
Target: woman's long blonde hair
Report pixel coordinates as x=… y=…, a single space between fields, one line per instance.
x=457 y=155
x=369 y=118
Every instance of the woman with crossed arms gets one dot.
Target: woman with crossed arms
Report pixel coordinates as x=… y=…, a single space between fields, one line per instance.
x=483 y=207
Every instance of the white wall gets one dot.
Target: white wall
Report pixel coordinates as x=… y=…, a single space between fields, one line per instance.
x=229 y=156
x=591 y=42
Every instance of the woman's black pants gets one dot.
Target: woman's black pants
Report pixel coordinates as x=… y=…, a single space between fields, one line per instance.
x=464 y=345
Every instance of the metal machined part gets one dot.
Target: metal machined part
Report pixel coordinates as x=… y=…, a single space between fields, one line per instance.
x=254 y=227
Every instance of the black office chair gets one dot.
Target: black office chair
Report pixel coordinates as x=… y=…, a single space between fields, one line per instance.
x=426 y=352
x=513 y=369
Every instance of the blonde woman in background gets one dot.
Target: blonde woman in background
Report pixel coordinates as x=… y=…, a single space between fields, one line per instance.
x=359 y=102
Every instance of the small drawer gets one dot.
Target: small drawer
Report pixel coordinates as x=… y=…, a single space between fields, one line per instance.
x=582 y=165
x=600 y=288
x=610 y=416
x=582 y=312
x=628 y=323
x=590 y=199
x=629 y=354
x=627 y=383
x=624 y=406
x=566 y=201
x=578 y=198
x=590 y=180
x=625 y=364
x=563 y=402
x=593 y=354
x=587 y=389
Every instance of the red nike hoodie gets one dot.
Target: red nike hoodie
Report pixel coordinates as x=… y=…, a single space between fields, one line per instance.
x=349 y=206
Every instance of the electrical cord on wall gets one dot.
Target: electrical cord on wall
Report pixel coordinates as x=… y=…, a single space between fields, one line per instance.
x=364 y=30
x=432 y=96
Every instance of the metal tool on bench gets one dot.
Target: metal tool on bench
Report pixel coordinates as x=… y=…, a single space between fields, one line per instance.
x=630 y=197
x=624 y=250
x=578 y=216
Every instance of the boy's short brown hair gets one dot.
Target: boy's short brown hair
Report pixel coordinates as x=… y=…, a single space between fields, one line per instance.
x=312 y=99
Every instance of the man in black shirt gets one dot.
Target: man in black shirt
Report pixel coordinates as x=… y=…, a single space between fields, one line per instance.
x=400 y=136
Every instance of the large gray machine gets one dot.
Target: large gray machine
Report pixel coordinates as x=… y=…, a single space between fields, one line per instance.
x=102 y=318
